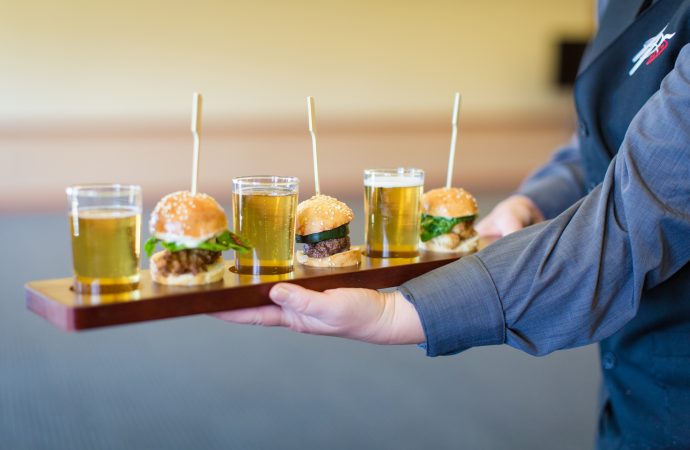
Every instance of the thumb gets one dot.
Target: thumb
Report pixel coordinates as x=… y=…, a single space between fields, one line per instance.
x=297 y=298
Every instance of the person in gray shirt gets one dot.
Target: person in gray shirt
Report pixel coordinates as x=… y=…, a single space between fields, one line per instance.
x=596 y=246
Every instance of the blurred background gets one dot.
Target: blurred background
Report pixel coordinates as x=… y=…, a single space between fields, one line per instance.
x=100 y=91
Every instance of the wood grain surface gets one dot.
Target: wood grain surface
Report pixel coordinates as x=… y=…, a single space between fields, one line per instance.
x=55 y=301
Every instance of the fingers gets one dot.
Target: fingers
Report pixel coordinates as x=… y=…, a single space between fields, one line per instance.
x=299 y=299
x=346 y=312
x=291 y=301
x=487 y=227
x=269 y=316
x=509 y=224
x=499 y=223
x=509 y=216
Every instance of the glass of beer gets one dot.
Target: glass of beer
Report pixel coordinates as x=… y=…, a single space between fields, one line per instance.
x=263 y=214
x=105 y=224
x=392 y=209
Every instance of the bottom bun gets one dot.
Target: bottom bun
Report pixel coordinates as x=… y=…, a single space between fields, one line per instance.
x=351 y=257
x=466 y=247
x=212 y=274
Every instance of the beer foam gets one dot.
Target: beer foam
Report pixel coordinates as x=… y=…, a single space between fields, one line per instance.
x=106 y=213
x=393 y=182
x=267 y=191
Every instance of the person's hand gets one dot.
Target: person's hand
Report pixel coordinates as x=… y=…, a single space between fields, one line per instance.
x=362 y=314
x=512 y=214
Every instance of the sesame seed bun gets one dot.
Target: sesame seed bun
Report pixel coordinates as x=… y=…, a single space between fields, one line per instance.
x=343 y=259
x=183 y=217
x=449 y=203
x=440 y=244
x=321 y=213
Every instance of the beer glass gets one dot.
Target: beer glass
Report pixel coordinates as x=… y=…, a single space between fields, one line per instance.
x=105 y=224
x=263 y=214
x=392 y=209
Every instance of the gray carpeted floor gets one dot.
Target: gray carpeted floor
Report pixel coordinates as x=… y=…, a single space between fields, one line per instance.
x=198 y=383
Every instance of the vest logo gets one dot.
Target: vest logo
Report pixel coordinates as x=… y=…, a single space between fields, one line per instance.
x=651 y=50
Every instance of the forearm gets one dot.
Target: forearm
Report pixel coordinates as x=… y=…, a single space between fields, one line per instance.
x=400 y=323
x=558 y=184
x=579 y=277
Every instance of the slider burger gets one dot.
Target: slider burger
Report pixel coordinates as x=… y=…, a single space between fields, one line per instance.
x=193 y=231
x=322 y=226
x=447 y=226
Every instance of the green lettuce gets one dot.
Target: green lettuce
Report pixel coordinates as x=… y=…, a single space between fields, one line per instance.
x=433 y=226
x=224 y=241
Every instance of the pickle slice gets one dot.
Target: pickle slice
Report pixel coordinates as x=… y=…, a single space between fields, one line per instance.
x=335 y=233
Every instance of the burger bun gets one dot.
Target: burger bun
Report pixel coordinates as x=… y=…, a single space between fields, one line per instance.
x=184 y=217
x=449 y=203
x=464 y=248
x=321 y=213
x=349 y=258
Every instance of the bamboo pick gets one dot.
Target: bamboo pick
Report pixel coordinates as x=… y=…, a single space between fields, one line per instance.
x=196 y=132
x=453 y=140
x=312 y=130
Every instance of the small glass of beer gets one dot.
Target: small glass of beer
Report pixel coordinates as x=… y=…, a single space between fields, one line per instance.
x=263 y=214
x=391 y=207
x=105 y=223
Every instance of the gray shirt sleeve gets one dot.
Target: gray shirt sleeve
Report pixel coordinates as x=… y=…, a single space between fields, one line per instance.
x=577 y=278
x=559 y=183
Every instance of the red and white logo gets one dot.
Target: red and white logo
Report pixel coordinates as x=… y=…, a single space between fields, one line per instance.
x=651 y=50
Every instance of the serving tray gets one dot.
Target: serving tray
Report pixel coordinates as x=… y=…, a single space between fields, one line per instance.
x=55 y=301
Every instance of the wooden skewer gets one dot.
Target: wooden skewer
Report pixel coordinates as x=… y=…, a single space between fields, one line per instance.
x=453 y=140
x=311 y=110
x=196 y=132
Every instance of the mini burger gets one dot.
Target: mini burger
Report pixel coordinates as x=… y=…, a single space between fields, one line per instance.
x=448 y=216
x=193 y=231
x=322 y=226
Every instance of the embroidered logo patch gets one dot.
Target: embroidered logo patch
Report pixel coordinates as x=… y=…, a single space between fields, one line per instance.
x=651 y=50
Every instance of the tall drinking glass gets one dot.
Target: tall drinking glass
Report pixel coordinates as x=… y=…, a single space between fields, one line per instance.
x=263 y=213
x=105 y=224
x=392 y=210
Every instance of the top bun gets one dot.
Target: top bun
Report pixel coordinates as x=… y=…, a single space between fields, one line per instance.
x=190 y=217
x=449 y=203
x=321 y=213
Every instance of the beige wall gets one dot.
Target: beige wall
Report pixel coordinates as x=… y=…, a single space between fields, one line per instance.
x=113 y=80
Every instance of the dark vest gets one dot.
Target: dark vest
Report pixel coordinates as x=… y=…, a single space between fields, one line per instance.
x=646 y=364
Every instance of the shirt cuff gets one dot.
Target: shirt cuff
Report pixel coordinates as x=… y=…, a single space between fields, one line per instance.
x=458 y=306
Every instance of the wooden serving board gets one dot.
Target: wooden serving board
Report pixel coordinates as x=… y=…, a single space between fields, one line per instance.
x=55 y=301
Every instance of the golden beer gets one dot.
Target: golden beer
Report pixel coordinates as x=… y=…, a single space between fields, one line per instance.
x=264 y=216
x=392 y=210
x=105 y=249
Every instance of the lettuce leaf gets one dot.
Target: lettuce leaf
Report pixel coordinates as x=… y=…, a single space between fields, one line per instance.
x=433 y=226
x=224 y=241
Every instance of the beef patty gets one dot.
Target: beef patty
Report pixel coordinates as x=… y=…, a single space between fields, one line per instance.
x=327 y=248
x=185 y=261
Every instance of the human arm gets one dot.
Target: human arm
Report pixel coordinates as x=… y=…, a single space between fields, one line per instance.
x=577 y=278
x=559 y=183
x=570 y=281
x=547 y=192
